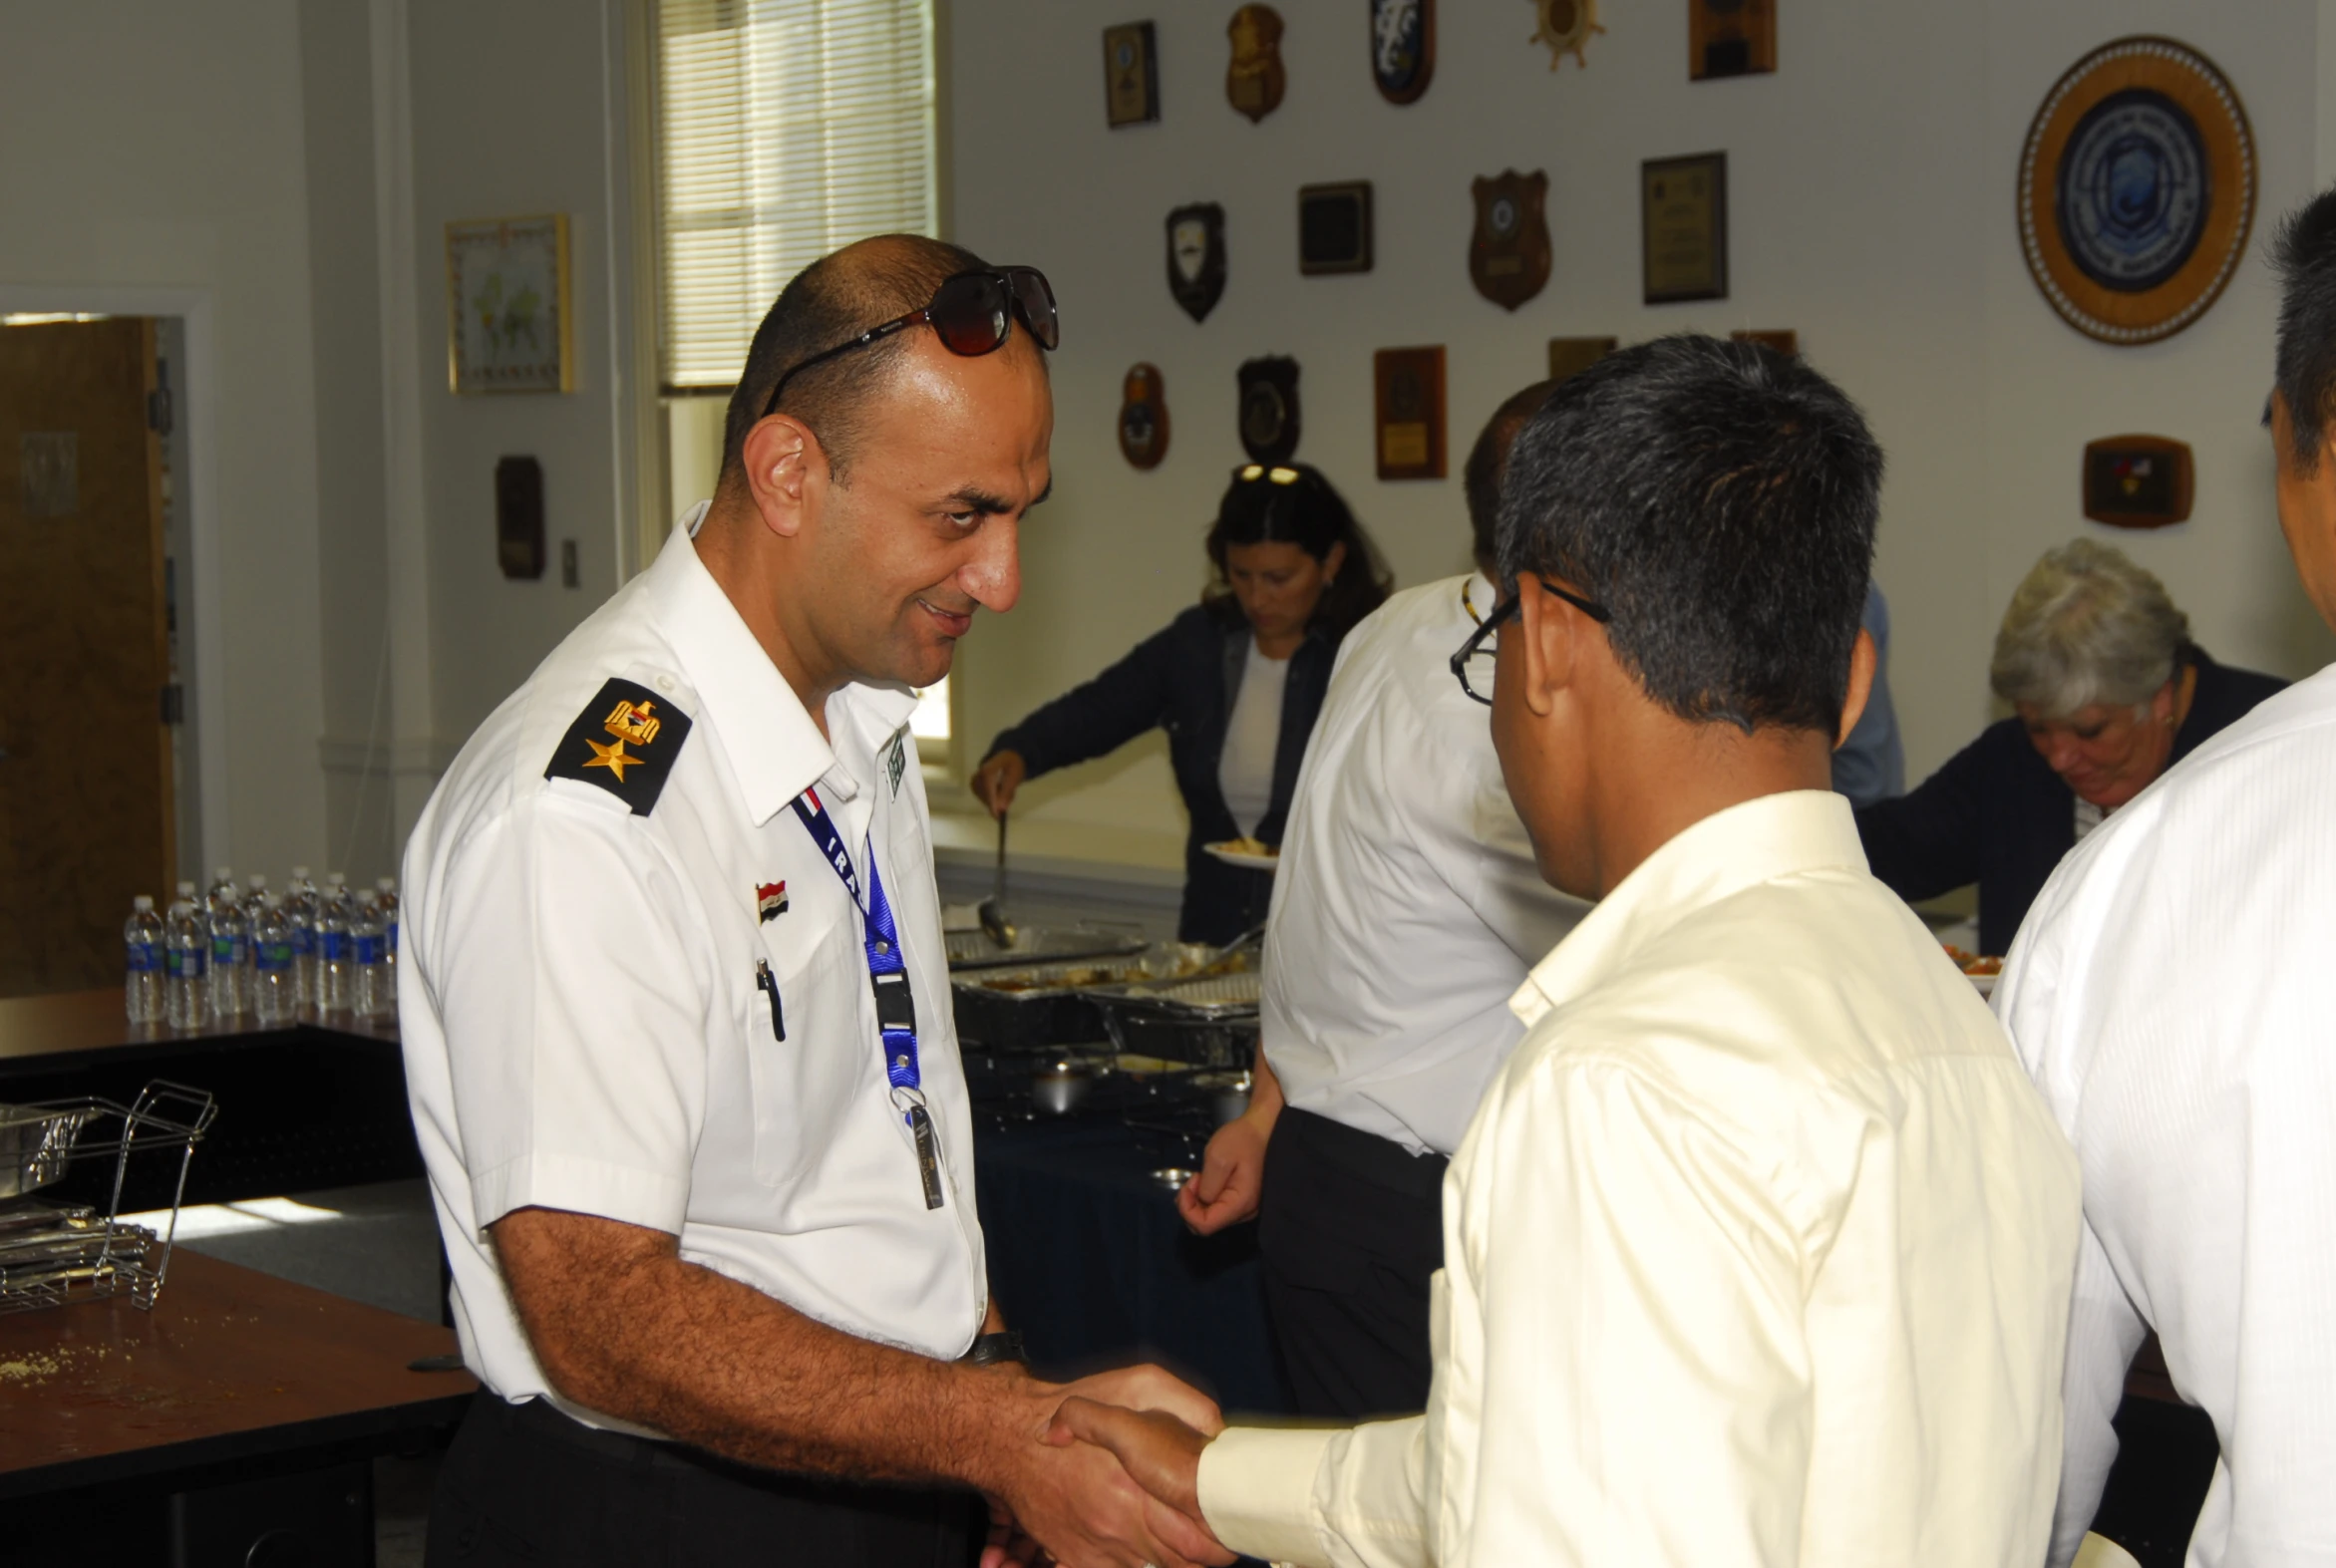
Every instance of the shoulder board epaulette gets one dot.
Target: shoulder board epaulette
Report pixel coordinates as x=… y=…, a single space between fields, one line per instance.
x=625 y=742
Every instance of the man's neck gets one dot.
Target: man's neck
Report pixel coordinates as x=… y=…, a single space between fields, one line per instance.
x=1682 y=772
x=747 y=563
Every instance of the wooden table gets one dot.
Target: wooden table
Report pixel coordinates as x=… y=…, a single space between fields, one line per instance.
x=243 y=1404
x=316 y=1103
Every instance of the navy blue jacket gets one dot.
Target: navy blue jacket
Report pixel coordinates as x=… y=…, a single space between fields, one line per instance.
x=1184 y=679
x=1997 y=814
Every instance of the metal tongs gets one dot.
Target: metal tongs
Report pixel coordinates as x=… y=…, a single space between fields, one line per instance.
x=994 y=923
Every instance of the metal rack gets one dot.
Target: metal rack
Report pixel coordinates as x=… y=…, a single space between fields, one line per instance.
x=53 y=1254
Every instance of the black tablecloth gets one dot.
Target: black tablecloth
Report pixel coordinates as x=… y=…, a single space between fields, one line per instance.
x=1091 y=1264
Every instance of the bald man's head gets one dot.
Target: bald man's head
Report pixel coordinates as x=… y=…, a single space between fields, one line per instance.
x=1489 y=462
x=832 y=301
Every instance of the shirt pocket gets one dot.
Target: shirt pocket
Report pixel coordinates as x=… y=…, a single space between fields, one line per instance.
x=807 y=1088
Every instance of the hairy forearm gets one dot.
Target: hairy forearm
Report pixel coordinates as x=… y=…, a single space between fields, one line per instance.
x=624 y=1326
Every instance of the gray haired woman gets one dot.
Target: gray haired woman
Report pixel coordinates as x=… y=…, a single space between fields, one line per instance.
x=2109 y=692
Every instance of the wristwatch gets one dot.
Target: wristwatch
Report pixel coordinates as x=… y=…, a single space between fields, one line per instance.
x=991 y=1349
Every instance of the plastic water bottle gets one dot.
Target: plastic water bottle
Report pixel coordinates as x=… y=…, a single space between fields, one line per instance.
x=274 y=999
x=230 y=957
x=385 y=898
x=222 y=889
x=334 y=957
x=369 y=945
x=142 y=964
x=256 y=886
x=186 y=944
x=300 y=916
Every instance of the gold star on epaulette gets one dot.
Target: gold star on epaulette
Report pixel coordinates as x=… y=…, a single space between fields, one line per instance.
x=612 y=757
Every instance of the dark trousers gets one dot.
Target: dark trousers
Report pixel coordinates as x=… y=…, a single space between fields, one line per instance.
x=1350 y=1227
x=523 y=1483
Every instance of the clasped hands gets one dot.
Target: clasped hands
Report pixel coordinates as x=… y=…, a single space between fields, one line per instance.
x=1107 y=1476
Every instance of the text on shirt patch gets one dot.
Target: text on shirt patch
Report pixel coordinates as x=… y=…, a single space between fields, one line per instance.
x=630 y=715
x=769 y=900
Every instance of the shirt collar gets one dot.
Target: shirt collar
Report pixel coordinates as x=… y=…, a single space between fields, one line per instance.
x=1759 y=840
x=775 y=748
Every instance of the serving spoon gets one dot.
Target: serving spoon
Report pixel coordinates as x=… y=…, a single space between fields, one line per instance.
x=994 y=923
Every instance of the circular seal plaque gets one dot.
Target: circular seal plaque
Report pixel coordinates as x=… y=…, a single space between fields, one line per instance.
x=2137 y=189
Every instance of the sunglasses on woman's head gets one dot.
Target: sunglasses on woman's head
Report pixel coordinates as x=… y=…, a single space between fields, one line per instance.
x=971 y=313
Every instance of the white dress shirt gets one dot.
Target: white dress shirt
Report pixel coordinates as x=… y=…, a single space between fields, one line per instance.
x=584 y=1016
x=2170 y=993
x=1758 y=1252
x=1407 y=906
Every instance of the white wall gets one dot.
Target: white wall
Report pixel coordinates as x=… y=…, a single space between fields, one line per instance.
x=152 y=150
x=1871 y=200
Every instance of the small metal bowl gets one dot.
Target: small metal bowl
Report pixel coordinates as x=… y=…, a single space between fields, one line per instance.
x=1173 y=1177
x=1228 y=1093
x=1060 y=1089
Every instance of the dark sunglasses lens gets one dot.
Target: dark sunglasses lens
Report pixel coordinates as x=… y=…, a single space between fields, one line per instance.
x=1038 y=305
x=969 y=313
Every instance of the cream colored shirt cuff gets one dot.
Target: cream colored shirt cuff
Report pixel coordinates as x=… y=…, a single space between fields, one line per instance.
x=1321 y=1498
x=1257 y=1491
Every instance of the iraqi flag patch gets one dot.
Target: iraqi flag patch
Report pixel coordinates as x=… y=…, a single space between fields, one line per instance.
x=769 y=900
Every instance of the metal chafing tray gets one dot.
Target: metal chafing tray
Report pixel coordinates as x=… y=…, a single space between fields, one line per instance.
x=1019 y=1005
x=53 y=1254
x=1208 y=1020
x=973 y=949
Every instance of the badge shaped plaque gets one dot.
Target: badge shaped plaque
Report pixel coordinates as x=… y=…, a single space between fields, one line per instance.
x=1195 y=257
x=1566 y=26
x=2137 y=190
x=1403 y=48
x=1253 y=81
x=1509 y=255
x=1269 y=409
x=1144 y=417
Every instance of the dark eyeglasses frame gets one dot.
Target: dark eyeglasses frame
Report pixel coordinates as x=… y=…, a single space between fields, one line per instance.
x=1507 y=610
x=1021 y=291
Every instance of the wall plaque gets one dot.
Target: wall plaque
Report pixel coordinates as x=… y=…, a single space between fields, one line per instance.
x=1144 y=417
x=1334 y=227
x=1403 y=48
x=1269 y=409
x=2138 y=482
x=1195 y=257
x=1509 y=251
x=1729 y=38
x=1683 y=227
x=1254 y=80
x=1565 y=26
x=1407 y=397
x=1572 y=355
x=1130 y=74
x=1783 y=340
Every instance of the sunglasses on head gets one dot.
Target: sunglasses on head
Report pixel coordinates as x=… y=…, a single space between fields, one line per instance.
x=971 y=313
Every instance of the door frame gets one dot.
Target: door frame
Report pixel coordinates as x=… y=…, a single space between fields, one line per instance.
x=195 y=398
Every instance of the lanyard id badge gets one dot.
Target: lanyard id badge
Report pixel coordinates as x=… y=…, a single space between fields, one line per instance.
x=887 y=974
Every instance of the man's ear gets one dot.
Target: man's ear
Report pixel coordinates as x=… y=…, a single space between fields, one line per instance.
x=1549 y=627
x=1865 y=660
x=786 y=471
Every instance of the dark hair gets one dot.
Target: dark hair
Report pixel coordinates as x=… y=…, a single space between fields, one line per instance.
x=1489 y=461
x=2304 y=251
x=1720 y=501
x=832 y=301
x=1308 y=512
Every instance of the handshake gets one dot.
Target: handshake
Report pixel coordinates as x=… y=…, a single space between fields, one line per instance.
x=1105 y=1475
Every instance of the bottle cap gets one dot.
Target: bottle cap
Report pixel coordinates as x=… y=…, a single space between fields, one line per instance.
x=143 y=903
x=388 y=884
x=335 y=880
x=225 y=874
x=185 y=889
x=270 y=901
x=258 y=880
x=299 y=874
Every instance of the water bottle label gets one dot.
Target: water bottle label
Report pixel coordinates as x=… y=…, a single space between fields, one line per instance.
x=393 y=938
x=303 y=941
x=185 y=963
x=227 y=952
x=275 y=957
x=334 y=945
x=369 y=950
x=143 y=958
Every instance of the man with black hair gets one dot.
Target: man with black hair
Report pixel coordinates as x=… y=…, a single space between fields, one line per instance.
x=1758 y=1250
x=676 y=1002
x=1405 y=910
x=2168 y=991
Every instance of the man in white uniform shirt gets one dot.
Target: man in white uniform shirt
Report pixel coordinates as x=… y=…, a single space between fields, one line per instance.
x=1406 y=910
x=2170 y=993
x=676 y=1002
x=1758 y=1250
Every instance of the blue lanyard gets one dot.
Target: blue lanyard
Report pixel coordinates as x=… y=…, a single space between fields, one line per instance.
x=887 y=971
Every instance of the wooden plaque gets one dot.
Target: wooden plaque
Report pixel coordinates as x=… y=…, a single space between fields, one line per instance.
x=1683 y=227
x=1783 y=339
x=1730 y=38
x=1408 y=398
x=1144 y=417
x=1130 y=74
x=1254 y=79
x=1403 y=48
x=1572 y=355
x=1334 y=227
x=2138 y=482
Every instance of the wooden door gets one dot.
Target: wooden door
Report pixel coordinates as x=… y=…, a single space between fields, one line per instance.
x=85 y=757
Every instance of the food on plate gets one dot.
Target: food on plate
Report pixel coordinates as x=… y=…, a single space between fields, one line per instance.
x=1972 y=963
x=1246 y=847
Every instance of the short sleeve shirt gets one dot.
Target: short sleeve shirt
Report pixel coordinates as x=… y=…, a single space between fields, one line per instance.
x=640 y=991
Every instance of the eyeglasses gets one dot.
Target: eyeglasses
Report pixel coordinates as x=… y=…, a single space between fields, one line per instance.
x=971 y=313
x=1507 y=610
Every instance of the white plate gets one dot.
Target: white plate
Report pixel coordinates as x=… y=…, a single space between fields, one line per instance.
x=1985 y=983
x=1242 y=858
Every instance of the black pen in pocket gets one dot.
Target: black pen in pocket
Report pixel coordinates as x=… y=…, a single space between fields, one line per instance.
x=766 y=982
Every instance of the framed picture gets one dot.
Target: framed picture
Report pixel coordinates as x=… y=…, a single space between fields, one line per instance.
x=1730 y=38
x=508 y=326
x=1683 y=227
x=1130 y=74
x=1408 y=398
x=1334 y=227
x=1572 y=355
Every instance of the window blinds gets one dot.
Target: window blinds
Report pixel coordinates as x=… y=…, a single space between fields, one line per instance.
x=785 y=129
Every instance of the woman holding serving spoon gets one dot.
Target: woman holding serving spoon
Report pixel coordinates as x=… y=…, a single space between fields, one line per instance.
x=1236 y=681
